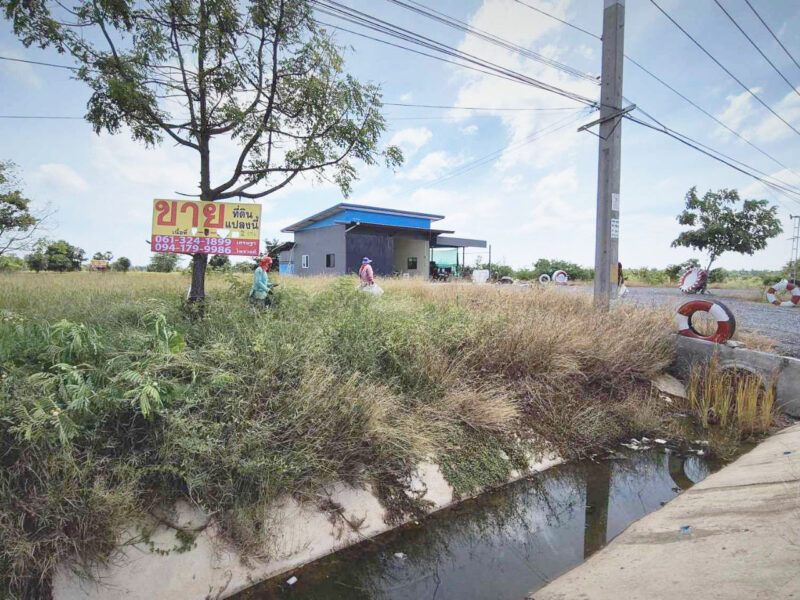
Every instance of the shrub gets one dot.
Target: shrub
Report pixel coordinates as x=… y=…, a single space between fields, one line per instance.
x=548 y=266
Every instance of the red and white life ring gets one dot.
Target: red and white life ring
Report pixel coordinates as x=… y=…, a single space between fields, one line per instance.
x=783 y=284
x=544 y=278
x=560 y=277
x=693 y=280
x=726 y=323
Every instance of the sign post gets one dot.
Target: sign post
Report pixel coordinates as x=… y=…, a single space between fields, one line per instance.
x=194 y=227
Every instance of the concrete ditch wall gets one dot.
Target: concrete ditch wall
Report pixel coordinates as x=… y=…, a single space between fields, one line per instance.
x=212 y=569
x=784 y=369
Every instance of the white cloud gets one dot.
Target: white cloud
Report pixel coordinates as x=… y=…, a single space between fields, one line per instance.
x=754 y=122
x=407 y=97
x=412 y=139
x=59 y=177
x=433 y=165
x=469 y=130
x=511 y=183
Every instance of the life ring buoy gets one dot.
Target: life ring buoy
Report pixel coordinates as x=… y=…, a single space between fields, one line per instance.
x=783 y=284
x=726 y=322
x=544 y=278
x=560 y=277
x=693 y=280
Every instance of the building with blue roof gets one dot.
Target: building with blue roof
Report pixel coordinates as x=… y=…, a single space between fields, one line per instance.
x=334 y=241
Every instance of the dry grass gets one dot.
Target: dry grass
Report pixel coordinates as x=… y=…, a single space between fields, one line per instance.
x=731 y=399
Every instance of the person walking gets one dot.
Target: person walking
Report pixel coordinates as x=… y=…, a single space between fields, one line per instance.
x=365 y=273
x=259 y=293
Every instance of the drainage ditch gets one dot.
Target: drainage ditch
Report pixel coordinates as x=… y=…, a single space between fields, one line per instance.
x=503 y=544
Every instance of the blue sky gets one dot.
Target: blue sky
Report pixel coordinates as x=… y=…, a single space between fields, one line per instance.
x=536 y=200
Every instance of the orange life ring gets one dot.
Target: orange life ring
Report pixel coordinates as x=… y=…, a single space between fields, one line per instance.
x=726 y=323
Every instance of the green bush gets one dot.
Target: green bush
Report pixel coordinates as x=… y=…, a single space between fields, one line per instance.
x=574 y=271
x=10 y=264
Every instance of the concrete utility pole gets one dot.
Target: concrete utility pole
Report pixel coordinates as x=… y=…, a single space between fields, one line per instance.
x=608 y=172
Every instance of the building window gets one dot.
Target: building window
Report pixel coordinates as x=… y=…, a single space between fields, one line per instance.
x=412 y=263
x=330 y=260
x=304 y=261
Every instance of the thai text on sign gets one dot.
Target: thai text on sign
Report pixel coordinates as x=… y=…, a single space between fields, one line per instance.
x=194 y=227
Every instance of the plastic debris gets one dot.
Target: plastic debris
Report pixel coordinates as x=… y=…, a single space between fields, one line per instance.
x=787 y=453
x=700 y=442
x=400 y=555
x=686 y=528
x=292 y=580
x=660 y=441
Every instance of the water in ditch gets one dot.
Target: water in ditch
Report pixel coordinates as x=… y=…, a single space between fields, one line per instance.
x=502 y=545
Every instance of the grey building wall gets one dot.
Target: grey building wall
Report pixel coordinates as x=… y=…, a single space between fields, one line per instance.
x=316 y=244
x=374 y=243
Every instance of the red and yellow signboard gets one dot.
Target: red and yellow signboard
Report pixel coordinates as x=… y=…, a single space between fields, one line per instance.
x=193 y=227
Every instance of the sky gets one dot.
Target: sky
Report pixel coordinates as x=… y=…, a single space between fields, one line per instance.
x=530 y=199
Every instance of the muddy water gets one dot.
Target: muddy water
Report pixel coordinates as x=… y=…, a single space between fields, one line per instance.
x=502 y=545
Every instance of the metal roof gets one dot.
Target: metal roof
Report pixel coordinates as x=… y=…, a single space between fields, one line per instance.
x=343 y=206
x=456 y=242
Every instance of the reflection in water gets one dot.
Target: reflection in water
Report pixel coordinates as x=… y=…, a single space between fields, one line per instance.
x=502 y=545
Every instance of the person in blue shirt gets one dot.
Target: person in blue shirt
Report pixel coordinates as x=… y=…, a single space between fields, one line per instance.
x=259 y=293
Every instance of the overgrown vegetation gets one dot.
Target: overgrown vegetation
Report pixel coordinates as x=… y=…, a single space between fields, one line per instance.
x=738 y=401
x=114 y=402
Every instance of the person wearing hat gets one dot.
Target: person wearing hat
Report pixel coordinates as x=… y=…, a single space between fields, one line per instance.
x=261 y=285
x=365 y=273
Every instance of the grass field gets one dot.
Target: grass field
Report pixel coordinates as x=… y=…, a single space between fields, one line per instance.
x=114 y=400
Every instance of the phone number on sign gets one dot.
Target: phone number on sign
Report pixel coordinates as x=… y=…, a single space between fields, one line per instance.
x=197 y=245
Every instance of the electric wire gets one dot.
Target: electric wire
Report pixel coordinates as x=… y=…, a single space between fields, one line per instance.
x=36 y=117
x=459 y=25
x=676 y=91
x=491 y=156
x=749 y=39
x=562 y=21
x=788 y=186
x=775 y=37
x=335 y=9
x=724 y=68
x=789 y=192
x=36 y=62
x=478 y=108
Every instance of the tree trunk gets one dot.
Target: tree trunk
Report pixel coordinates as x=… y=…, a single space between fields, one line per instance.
x=197 y=289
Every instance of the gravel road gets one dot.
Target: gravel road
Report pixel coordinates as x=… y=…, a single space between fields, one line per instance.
x=781 y=324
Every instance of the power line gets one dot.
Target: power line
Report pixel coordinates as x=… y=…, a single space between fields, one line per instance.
x=749 y=39
x=332 y=8
x=35 y=117
x=36 y=62
x=711 y=116
x=721 y=66
x=786 y=186
x=764 y=23
x=562 y=21
x=789 y=192
x=491 y=156
x=677 y=92
x=401 y=47
x=487 y=108
x=450 y=21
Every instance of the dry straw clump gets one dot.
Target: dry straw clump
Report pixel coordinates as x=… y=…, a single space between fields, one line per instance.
x=735 y=400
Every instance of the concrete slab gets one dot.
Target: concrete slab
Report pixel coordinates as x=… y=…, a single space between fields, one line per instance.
x=734 y=536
